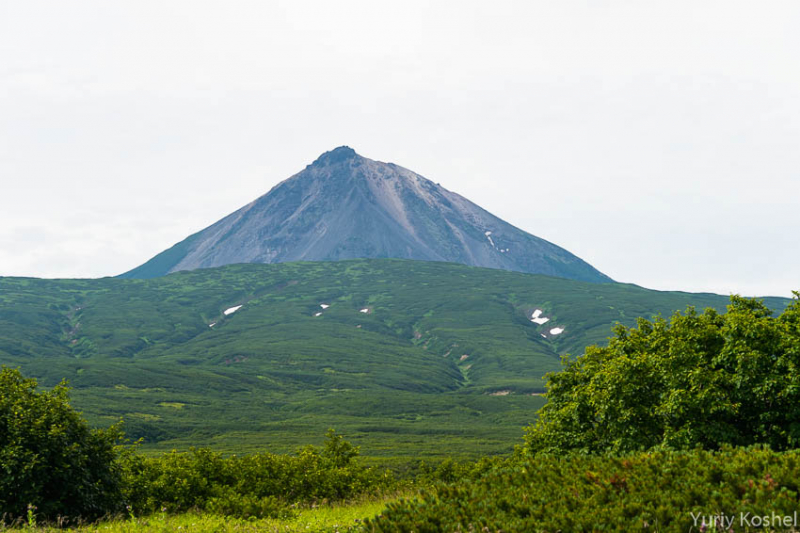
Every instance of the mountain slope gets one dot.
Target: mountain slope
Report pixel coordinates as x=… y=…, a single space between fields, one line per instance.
x=344 y=206
x=406 y=357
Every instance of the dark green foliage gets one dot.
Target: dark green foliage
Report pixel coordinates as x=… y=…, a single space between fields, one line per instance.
x=337 y=451
x=656 y=491
x=260 y=485
x=450 y=470
x=49 y=457
x=696 y=380
x=52 y=461
x=272 y=373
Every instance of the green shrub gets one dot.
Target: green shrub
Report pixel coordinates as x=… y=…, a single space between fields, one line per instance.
x=179 y=481
x=260 y=485
x=231 y=503
x=697 y=380
x=450 y=470
x=658 y=491
x=50 y=458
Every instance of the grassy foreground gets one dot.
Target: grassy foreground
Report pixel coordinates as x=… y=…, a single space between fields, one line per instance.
x=334 y=517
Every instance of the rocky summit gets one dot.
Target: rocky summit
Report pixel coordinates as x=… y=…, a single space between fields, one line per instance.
x=345 y=206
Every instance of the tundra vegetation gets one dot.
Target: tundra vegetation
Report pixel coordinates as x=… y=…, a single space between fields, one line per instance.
x=446 y=362
x=671 y=424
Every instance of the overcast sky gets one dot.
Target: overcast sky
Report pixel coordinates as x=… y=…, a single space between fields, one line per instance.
x=657 y=140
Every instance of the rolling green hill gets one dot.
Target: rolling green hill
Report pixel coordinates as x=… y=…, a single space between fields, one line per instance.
x=407 y=358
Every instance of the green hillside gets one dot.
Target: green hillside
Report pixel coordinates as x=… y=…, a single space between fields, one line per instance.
x=408 y=358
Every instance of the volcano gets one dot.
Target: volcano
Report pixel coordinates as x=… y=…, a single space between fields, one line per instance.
x=345 y=206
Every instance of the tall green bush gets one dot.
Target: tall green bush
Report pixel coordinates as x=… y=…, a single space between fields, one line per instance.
x=699 y=379
x=50 y=458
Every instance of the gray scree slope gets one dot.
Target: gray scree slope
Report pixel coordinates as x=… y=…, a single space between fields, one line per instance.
x=345 y=206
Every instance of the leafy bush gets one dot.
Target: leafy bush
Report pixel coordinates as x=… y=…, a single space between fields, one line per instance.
x=50 y=458
x=661 y=491
x=260 y=485
x=231 y=503
x=698 y=380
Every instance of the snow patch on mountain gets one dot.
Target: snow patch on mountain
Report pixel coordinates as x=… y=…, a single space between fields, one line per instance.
x=537 y=317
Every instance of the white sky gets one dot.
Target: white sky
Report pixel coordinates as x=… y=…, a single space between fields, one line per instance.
x=658 y=140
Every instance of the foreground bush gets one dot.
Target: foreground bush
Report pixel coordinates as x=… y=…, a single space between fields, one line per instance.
x=50 y=458
x=259 y=485
x=695 y=380
x=662 y=491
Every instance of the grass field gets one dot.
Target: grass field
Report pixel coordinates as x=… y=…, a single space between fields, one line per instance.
x=336 y=517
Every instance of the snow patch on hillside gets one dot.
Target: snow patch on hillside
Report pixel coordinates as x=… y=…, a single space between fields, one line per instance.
x=231 y=310
x=537 y=317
